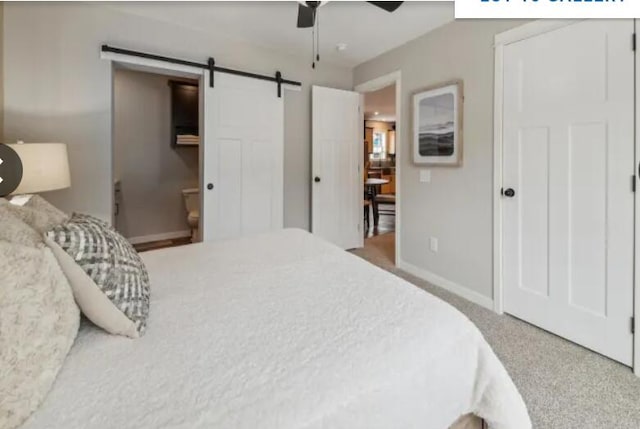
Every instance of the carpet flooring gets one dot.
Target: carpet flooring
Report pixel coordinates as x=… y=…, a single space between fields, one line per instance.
x=565 y=386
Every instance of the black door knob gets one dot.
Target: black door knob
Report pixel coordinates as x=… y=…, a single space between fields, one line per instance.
x=509 y=192
x=209 y=186
x=317 y=179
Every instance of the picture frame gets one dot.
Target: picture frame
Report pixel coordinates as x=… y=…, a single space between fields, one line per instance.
x=437 y=125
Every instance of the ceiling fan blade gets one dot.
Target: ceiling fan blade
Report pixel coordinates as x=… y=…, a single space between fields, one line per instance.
x=306 y=16
x=389 y=6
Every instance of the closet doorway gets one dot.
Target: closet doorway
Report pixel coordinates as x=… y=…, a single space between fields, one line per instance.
x=156 y=157
x=240 y=150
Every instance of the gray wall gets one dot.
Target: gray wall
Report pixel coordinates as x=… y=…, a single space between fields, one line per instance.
x=152 y=173
x=58 y=88
x=456 y=207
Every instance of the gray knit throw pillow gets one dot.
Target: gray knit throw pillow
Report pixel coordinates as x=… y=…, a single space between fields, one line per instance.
x=110 y=261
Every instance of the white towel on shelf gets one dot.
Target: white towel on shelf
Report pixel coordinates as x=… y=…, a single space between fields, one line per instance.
x=187 y=139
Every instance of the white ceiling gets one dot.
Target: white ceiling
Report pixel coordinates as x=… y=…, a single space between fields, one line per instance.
x=367 y=30
x=383 y=102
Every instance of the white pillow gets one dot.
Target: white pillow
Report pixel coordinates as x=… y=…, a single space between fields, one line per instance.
x=94 y=303
x=38 y=319
x=108 y=278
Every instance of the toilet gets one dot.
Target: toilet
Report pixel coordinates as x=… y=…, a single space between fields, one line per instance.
x=192 y=203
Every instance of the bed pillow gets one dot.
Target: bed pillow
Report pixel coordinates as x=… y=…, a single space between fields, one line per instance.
x=38 y=319
x=108 y=278
x=39 y=214
x=14 y=230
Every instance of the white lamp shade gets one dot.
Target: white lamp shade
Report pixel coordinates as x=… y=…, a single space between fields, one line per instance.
x=45 y=167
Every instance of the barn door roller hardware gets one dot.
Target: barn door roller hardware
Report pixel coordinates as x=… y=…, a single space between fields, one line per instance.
x=209 y=65
x=212 y=68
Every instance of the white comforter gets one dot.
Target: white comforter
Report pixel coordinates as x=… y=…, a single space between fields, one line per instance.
x=282 y=331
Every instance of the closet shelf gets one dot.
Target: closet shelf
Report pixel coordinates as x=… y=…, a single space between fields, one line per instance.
x=184 y=113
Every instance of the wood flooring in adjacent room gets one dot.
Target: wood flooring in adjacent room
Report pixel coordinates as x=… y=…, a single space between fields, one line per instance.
x=161 y=244
x=379 y=249
x=565 y=386
x=386 y=224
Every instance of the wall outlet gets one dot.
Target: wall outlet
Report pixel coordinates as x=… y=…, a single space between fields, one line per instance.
x=425 y=176
x=433 y=244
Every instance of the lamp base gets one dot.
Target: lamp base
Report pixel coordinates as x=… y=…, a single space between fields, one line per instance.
x=20 y=200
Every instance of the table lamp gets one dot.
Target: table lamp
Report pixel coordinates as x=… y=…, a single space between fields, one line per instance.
x=45 y=167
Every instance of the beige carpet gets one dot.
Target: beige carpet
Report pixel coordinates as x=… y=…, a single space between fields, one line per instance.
x=564 y=385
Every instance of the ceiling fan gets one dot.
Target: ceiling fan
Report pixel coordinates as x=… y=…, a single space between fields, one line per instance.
x=307 y=18
x=307 y=10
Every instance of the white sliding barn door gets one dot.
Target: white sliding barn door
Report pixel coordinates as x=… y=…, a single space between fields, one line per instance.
x=337 y=157
x=242 y=157
x=568 y=157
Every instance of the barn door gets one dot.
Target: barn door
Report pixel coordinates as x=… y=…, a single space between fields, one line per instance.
x=242 y=157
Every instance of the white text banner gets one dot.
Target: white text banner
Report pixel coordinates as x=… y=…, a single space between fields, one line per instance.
x=547 y=9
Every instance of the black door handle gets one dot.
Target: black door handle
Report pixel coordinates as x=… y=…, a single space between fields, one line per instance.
x=509 y=192
x=317 y=179
x=210 y=186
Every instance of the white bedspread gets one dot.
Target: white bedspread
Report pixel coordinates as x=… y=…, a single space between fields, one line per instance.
x=282 y=331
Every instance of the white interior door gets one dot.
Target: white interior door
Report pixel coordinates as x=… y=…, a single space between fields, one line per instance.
x=337 y=189
x=242 y=157
x=569 y=158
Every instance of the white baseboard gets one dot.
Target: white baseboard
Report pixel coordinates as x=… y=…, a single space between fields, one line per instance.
x=448 y=285
x=159 y=237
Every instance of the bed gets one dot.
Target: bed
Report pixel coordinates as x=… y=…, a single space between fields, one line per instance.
x=282 y=330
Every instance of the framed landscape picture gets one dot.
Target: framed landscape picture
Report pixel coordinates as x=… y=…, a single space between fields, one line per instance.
x=437 y=125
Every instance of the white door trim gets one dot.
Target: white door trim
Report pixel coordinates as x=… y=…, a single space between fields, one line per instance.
x=636 y=280
x=374 y=85
x=152 y=66
x=532 y=29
